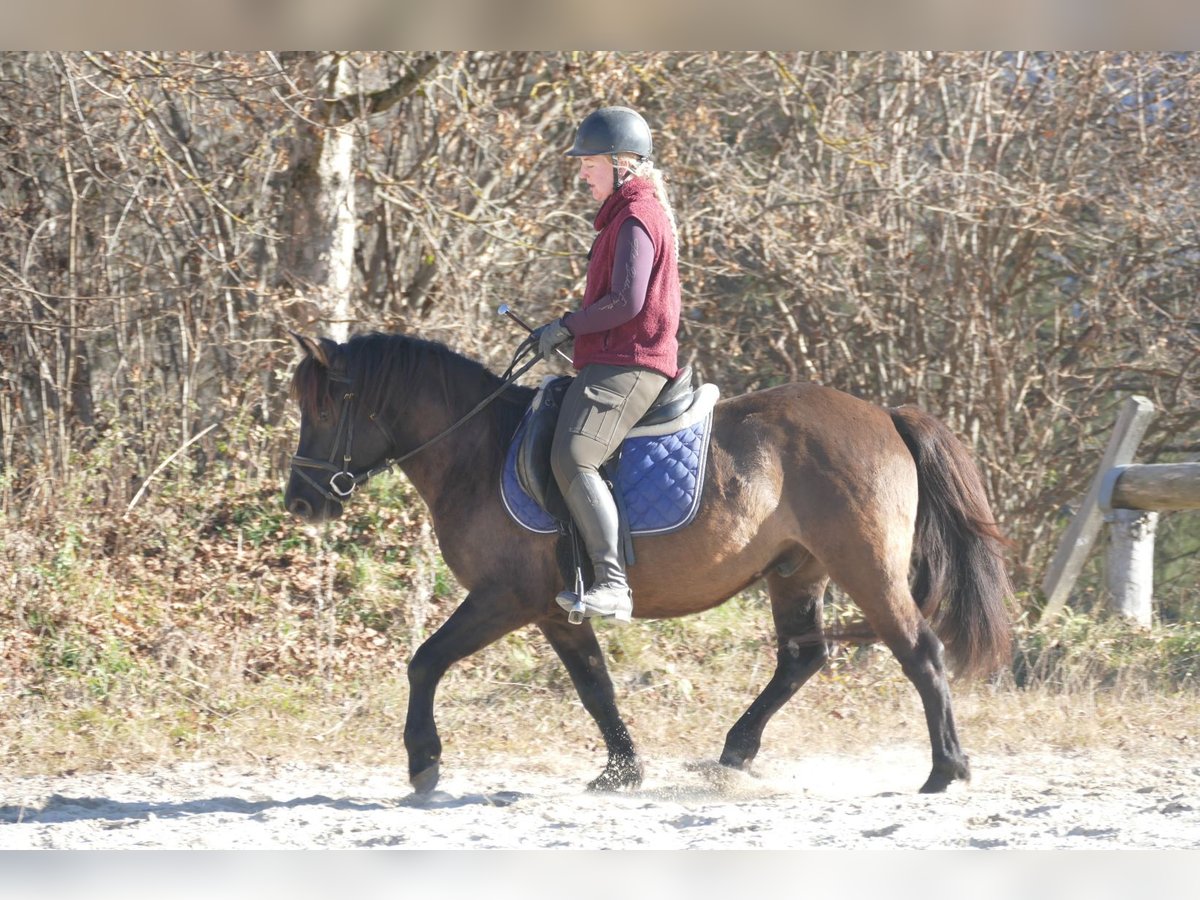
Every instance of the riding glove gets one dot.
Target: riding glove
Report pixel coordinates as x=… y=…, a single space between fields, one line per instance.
x=550 y=336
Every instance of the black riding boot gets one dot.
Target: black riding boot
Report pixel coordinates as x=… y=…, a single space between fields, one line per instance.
x=594 y=511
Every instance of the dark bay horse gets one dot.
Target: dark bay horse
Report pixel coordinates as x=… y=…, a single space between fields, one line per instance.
x=804 y=484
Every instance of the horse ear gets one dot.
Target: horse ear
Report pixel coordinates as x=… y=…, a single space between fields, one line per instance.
x=312 y=348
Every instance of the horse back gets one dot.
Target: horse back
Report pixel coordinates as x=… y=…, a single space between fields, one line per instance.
x=805 y=426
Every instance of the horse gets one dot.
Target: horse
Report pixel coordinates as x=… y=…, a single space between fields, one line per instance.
x=804 y=485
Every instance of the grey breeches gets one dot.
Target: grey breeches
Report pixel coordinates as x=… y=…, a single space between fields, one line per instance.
x=600 y=406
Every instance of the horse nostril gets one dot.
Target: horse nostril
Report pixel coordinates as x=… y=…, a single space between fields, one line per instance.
x=300 y=508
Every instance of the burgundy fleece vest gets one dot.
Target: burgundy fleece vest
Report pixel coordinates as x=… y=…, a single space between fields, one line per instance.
x=648 y=339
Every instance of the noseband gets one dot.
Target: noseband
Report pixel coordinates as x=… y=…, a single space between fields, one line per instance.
x=342 y=480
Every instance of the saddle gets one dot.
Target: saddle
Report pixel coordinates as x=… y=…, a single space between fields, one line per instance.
x=533 y=455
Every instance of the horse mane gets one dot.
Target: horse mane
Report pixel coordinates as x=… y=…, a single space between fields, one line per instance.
x=379 y=365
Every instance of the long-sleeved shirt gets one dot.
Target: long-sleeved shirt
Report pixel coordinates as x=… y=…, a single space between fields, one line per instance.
x=632 y=263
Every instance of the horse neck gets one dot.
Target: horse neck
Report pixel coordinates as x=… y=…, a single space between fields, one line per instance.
x=429 y=411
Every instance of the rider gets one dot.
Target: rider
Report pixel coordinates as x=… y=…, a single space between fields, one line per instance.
x=625 y=346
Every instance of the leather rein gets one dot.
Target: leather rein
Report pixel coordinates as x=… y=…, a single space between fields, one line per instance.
x=342 y=479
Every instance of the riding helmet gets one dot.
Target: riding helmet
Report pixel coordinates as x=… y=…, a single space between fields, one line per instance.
x=613 y=129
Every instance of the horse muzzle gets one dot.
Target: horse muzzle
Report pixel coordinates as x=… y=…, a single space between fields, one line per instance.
x=308 y=500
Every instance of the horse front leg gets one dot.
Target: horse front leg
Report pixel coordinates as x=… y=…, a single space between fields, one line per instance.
x=484 y=617
x=577 y=647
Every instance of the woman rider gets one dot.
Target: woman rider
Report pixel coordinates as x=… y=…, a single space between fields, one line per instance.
x=625 y=346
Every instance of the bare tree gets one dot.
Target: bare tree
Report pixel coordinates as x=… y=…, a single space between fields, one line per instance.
x=327 y=95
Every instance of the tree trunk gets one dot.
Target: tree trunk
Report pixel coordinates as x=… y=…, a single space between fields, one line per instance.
x=319 y=220
x=317 y=259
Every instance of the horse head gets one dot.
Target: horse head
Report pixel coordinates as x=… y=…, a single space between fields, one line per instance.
x=341 y=445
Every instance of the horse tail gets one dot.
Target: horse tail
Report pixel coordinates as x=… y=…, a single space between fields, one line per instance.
x=959 y=581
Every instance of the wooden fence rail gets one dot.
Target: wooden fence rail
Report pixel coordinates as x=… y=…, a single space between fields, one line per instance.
x=1159 y=486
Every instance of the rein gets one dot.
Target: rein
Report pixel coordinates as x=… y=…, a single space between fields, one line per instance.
x=338 y=492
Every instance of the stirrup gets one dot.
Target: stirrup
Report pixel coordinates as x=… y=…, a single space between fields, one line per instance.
x=578 y=608
x=569 y=599
x=570 y=602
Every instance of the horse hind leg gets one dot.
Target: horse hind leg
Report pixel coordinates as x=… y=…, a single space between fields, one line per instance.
x=797 y=606
x=925 y=668
x=892 y=613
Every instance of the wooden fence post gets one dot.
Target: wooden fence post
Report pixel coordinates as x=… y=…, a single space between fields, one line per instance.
x=1129 y=563
x=1075 y=545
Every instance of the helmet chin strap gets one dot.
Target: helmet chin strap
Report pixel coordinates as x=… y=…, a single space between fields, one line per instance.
x=617 y=179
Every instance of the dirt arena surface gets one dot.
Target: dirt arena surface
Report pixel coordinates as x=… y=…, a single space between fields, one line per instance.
x=1099 y=800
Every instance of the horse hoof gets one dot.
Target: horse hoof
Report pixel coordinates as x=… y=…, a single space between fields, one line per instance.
x=736 y=763
x=617 y=775
x=723 y=777
x=426 y=780
x=944 y=775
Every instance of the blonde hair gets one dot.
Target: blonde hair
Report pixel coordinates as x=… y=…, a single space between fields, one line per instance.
x=645 y=169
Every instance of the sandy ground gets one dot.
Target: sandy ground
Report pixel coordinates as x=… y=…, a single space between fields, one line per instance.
x=1028 y=801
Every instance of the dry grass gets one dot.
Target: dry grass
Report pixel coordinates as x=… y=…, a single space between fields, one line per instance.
x=513 y=700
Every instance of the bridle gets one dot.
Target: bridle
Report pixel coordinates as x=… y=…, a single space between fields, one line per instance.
x=342 y=478
x=335 y=489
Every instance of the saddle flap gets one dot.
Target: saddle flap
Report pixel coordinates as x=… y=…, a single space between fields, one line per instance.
x=684 y=410
x=533 y=456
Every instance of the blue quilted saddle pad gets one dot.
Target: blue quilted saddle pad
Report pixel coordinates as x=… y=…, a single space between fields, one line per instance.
x=660 y=478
